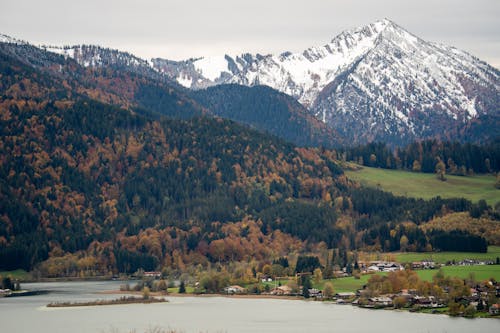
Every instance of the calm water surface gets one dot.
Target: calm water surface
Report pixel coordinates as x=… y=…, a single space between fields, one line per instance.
x=211 y=315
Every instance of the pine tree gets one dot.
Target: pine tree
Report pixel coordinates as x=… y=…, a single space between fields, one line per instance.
x=182 y=288
x=306 y=285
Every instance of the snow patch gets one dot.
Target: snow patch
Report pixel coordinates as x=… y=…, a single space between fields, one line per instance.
x=8 y=39
x=185 y=81
x=211 y=67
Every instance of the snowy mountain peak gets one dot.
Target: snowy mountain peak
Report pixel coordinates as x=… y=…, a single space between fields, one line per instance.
x=12 y=40
x=379 y=79
x=96 y=56
x=302 y=75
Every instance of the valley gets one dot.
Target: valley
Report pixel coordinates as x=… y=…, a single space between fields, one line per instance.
x=378 y=149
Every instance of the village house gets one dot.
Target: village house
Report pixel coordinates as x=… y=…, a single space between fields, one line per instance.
x=471 y=262
x=316 y=293
x=281 y=291
x=424 y=264
x=494 y=309
x=381 y=301
x=345 y=295
x=155 y=275
x=340 y=274
x=426 y=302
x=5 y=292
x=234 y=290
x=266 y=278
x=408 y=294
x=373 y=268
x=383 y=266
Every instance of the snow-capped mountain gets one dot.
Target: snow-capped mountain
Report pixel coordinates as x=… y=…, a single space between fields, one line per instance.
x=301 y=75
x=96 y=56
x=8 y=39
x=85 y=55
x=377 y=82
x=374 y=83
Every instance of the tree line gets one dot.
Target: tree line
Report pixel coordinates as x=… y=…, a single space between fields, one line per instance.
x=423 y=156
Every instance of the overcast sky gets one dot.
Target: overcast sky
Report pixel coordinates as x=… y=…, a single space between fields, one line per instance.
x=178 y=29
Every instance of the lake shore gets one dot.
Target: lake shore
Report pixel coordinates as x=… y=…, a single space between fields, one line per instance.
x=212 y=313
x=432 y=311
x=242 y=296
x=119 y=301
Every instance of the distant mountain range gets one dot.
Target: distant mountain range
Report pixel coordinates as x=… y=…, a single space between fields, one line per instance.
x=377 y=82
x=374 y=83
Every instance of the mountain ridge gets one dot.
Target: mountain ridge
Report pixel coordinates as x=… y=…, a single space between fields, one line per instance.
x=398 y=89
x=377 y=82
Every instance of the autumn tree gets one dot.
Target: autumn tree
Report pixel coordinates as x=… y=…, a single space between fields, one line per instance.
x=145 y=293
x=440 y=170
x=399 y=302
x=328 y=290
x=317 y=275
x=403 y=243
x=416 y=166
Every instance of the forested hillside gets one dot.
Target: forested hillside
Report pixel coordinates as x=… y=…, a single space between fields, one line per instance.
x=267 y=109
x=424 y=156
x=95 y=179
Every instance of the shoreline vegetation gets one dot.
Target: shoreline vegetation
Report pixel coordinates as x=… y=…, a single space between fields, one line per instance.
x=443 y=283
x=443 y=310
x=400 y=290
x=117 y=301
x=181 y=295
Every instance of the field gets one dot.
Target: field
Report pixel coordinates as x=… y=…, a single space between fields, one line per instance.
x=480 y=272
x=350 y=283
x=18 y=274
x=443 y=257
x=426 y=186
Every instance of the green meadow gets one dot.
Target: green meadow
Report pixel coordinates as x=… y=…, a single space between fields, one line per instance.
x=18 y=274
x=426 y=186
x=444 y=257
x=479 y=272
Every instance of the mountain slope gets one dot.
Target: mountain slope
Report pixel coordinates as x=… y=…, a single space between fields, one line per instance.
x=405 y=89
x=117 y=78
x=267 y=109
x=377 y=82
x=89 y=188
x=120 y=78
x=282 y=115
x=83 y=179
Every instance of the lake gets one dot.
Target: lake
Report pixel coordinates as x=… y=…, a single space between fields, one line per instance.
x=210 y=315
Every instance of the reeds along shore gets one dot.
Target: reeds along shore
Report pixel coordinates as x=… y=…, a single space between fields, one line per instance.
x=121 y=300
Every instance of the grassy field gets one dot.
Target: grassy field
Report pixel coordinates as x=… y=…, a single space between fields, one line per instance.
x=350 y=283
x=18 y=274
x=426 y=186
x=443 y=257
x=480 y=272
x=340 y=285
x=175 y=290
